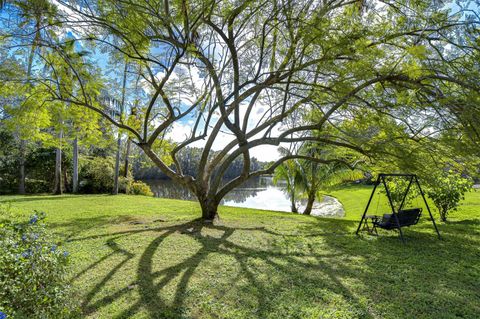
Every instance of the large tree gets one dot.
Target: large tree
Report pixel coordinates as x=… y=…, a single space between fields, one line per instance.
x=251 y=74
x=32 y=17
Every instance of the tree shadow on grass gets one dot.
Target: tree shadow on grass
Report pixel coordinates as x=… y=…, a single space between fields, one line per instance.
x=151 y=282
x=374 y=283
x=68 y=230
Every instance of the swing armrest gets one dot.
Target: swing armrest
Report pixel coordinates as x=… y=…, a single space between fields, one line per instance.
x=373 y=218
x=377 y=220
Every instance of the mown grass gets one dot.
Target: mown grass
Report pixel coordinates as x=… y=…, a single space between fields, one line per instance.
x=140 y=257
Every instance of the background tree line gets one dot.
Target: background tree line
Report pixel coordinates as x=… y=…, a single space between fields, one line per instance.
x=189 y=159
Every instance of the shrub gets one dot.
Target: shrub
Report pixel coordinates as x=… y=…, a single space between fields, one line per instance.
x=40 y=169
x=33 y=272
x=446 y=191
x=124 y=184
x=36 y=186
x=139 y=188
x=96 y=175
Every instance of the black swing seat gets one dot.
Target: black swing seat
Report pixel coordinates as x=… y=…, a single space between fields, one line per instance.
x=406 y=217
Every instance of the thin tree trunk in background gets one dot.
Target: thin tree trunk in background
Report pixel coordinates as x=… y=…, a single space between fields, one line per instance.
x=58 y=190
x=127 y=155
x=66 y=186
x=75 y=166
x=119 y=140
x=21 y=167
x=292 y=200
x=117 y=164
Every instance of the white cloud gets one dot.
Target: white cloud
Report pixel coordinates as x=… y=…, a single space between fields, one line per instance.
x=182 y=130
x=74 y=19
x=266 y=153
x=184 y=84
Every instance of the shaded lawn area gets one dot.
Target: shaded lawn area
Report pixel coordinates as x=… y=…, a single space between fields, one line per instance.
x=140 y=257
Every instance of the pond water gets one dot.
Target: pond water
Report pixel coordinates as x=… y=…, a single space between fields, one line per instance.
x=259 y=193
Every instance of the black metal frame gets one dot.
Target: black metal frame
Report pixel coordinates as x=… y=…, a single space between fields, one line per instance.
x=381 y=179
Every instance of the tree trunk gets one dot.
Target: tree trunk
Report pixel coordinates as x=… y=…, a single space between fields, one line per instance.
x=208 y=204
x=127 y=155
x=119 y=140
x=58 y=190
x=292 y=200
x=310 y=201
x=117 y=165
x=209 y=210
x=443 y=214
x=21 y=167
x=66 y=186
x=75 y=166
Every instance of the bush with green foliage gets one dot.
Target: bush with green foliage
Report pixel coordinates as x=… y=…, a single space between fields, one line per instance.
x=35 y=186
x=124 y=183
x=139 y=188
x=446 y=191
x=40 y=169
x=33 y=271
x=96 y=174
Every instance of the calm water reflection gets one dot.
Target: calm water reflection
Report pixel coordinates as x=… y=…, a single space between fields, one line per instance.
x=259 y=193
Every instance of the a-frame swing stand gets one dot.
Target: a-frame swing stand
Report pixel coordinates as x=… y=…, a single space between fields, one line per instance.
x=397 y=222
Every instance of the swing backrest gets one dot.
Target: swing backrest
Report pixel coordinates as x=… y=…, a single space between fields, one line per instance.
x=406 y=217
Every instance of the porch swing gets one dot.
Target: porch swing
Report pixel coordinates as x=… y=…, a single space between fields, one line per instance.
x=399 y=217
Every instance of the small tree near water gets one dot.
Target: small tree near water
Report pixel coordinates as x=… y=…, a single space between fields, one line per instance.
x=446 y=193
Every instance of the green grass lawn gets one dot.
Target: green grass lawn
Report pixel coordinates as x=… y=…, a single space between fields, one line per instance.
x=140 y=257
